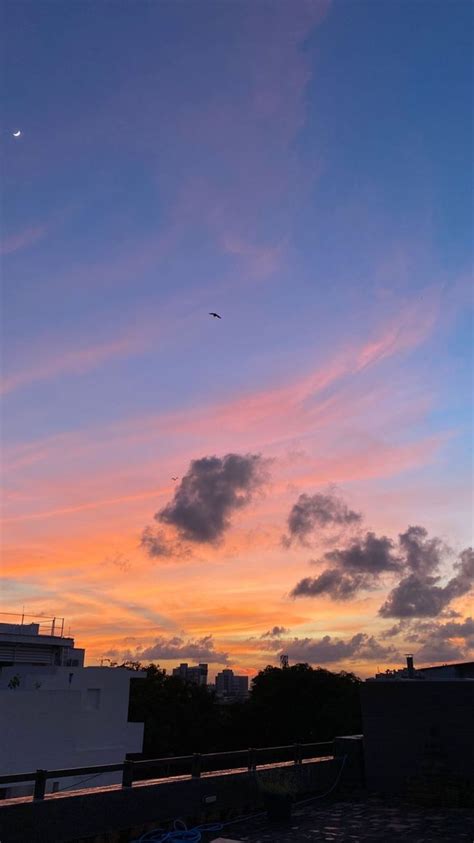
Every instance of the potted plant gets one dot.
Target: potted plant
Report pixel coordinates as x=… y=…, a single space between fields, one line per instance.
x=278 y=789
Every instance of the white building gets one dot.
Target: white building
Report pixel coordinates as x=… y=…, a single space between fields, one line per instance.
x=56 y=713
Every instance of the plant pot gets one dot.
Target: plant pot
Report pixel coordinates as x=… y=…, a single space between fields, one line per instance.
x=278 y=806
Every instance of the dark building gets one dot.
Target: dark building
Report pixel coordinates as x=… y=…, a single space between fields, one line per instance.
x=231 y=687
x=459 y=670
x=462 y=670
x=196 y=675
x=418 y=724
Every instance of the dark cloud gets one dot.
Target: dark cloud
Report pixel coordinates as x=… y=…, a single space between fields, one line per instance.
x=120 y=561
x=454 y=629
x=421 y=555
x=276 y=632
x=415 y=596
x=392 y=631
x=420 y=595
x=335 y=583
x=445 y=642
x=157 y=544
x=201 y=650
x=210 y=492
x=450 y=614
x=358 y=567
x=464 y=579
x=273 y=644
x=440 y=651
x=327 y=649
x=417 y=557
x=311 y=512
x=370 y=555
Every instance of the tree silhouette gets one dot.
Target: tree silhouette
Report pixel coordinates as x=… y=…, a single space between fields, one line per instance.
x=286 y=705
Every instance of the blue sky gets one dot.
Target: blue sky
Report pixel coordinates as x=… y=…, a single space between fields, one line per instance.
x=303 y=168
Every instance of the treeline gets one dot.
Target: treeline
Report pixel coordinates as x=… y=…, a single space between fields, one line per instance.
x=286 y=705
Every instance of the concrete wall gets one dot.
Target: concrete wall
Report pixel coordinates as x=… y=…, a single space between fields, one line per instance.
x=410 y=726
x=65 y=717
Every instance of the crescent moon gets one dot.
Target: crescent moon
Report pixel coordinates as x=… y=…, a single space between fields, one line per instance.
x=17 y=134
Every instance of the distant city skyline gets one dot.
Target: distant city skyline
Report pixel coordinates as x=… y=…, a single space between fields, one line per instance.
x=295 y=476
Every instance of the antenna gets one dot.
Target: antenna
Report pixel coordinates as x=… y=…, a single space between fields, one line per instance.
x=283 y=661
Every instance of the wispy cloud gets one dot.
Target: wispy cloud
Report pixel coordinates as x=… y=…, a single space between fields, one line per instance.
x=313 y=406
x=72 y=361
x=23 y=239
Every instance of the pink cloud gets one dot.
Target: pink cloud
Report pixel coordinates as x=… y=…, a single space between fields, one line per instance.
x=83 y=470
x=262 y=261
x=76 y=361
x=409 y=328
x=23 y=239
x=355 y=462
x=289 y=408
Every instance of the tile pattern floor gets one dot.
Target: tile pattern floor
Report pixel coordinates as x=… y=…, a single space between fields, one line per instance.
x=356 y=822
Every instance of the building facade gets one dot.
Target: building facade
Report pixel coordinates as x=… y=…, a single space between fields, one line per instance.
x=197 y=675
x=56 y=713
x=418 y=728
x=231 y=687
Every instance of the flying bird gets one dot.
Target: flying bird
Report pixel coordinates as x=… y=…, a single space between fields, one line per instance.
x=215 y=315
x=174 y=478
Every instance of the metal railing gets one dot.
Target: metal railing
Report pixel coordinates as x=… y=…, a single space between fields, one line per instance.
x=51 y=626
x=192 y=765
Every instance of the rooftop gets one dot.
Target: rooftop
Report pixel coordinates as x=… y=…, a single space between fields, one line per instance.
x=369 y=819
x=31 y=625
x=455 y=670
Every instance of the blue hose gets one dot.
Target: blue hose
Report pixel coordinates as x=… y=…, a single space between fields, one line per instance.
x=179 y=834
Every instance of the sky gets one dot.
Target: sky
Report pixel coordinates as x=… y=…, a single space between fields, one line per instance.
x=304 y=169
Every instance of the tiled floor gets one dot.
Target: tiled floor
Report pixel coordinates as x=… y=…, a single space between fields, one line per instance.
x=353 y=822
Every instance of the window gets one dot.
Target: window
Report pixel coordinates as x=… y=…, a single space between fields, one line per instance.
x=55 y=787
x=93 y=699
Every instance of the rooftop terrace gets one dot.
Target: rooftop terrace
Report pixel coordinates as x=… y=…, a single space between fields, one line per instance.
x=365 y=819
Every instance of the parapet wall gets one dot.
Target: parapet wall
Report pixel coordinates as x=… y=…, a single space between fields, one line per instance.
x=119 y=814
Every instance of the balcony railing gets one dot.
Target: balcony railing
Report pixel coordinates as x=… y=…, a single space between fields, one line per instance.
x=193 y=765
x=51 y=626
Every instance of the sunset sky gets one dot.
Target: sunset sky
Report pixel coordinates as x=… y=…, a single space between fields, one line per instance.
x=304 y=170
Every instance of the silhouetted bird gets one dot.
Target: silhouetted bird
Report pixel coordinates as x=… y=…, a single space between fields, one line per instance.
x=215 y=315
x=174 y=478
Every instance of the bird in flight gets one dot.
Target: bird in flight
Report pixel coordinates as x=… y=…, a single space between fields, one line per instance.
x=174 y=478
x=215 y=315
